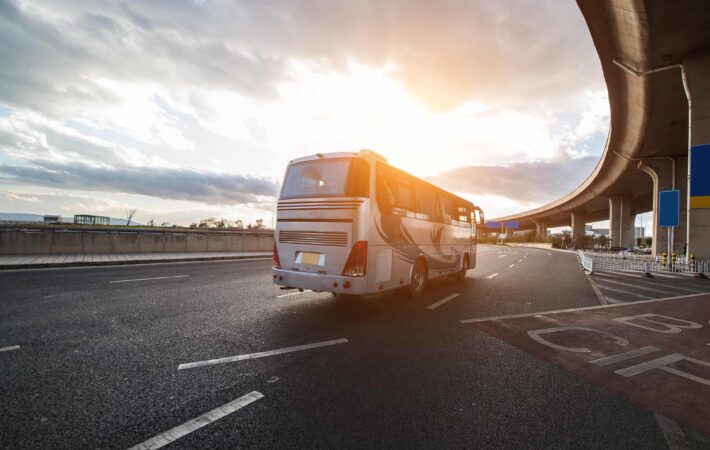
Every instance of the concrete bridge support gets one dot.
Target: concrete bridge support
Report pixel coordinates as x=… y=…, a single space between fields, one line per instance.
x=578 y=221
x=697 y=68
x=541 y=229
x=668 y=173
x=621 y=222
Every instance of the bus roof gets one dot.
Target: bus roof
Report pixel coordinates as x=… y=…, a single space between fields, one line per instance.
x=369 y=154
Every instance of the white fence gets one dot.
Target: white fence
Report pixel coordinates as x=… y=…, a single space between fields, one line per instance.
x=629 y=262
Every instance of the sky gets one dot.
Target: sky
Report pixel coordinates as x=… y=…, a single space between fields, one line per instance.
x=185 y=109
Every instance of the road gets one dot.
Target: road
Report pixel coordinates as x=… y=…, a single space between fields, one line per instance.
x=99 y=351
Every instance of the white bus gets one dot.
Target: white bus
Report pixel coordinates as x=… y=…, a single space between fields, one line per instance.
x=349 y=223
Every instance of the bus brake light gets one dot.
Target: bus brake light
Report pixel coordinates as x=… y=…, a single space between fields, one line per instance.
x=277 y=262
x=356 y=266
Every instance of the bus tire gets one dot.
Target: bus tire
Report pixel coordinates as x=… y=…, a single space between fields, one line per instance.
x=417 y=279
x=465 y=265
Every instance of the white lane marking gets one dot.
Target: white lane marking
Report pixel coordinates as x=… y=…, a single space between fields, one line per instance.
x=492 y=276
x=608 y=360
x=520 y=260
x=293 y=293
x=638 y=286
x=146 y=279
x=502 y=256
x=511 y=266
x=442 y=301
x=211 y=362
x=11 y=347
x=584 y=308
x=195 y=424
x=643 y=281
x=549 y=254
x=624 y=291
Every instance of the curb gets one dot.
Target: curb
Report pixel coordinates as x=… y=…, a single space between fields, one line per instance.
x=126 y=263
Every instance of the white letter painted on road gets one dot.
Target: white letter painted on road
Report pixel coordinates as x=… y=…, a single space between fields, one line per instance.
x=535 y=335
x=662 y=364
x=674 y=326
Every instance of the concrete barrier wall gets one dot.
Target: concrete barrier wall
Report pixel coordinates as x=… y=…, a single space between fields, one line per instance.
x=55 y=241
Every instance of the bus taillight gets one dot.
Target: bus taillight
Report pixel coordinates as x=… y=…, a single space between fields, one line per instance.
x=277 y=263
x=356 y=266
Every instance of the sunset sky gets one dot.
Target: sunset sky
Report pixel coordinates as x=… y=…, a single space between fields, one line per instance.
x=192 y=108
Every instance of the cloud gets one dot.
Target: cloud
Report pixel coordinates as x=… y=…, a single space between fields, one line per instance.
x=534 y=182
x=168 y=183
x=445 y=52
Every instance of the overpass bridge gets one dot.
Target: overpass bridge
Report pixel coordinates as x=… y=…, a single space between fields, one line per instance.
x=655 y=57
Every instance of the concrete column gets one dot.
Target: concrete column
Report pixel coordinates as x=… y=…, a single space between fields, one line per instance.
x=621 y=222
x=541 y=229
x=661 y=173
x=579 y=220
x=697 y=69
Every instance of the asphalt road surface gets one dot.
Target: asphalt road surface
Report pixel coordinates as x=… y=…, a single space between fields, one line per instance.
x=99 y=352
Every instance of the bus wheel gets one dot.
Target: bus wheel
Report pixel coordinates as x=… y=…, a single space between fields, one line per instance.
x=461 y=274
x=417 y=280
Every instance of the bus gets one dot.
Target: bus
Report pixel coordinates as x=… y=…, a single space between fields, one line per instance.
x=351 y=224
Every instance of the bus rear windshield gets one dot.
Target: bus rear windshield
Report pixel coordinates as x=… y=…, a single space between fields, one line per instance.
x=337 y=177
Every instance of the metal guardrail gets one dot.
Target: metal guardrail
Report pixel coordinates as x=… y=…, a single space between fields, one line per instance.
x=629 y=262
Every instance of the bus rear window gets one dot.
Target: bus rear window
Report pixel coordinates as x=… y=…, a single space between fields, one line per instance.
x=337 y=177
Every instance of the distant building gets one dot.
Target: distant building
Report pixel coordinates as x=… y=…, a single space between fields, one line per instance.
x=640 y=232
x=86 y=219
x=51 y=219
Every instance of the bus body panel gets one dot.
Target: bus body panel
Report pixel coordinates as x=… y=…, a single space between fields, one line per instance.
x=328 y=227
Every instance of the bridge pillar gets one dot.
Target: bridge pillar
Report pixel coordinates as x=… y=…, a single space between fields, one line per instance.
x=661 y=173
x=541 y=229
x=697 y=69
x=621 y=222
x=579 y=220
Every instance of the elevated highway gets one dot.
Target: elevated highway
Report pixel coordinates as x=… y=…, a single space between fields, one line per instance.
x=655 y=57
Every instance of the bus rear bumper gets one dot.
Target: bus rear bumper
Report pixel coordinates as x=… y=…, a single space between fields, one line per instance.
x=319 y=282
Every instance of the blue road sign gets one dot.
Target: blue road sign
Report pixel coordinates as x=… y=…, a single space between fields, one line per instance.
x=669 y=208
x=700 y=176
x=512 y=224
x=493 y=224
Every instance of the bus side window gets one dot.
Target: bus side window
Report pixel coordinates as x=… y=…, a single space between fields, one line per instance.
x=385 y=196
x=445 y=209
x=426 y=203
x=462 y=213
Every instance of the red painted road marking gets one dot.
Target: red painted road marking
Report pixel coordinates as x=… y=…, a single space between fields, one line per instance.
x=654 y=353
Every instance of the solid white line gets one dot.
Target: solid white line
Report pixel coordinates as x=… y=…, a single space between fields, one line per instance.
x=11 y=347
x=492 y=276
x=502 y=256
x=146 y=279
x=442 y=301
x=195 y=424
x=624 y=291
x=510 y=266
x=211 y=362
x=293 y=293
x=584 y=308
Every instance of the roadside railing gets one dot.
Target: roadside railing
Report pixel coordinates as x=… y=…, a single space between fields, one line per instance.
x=629 y=262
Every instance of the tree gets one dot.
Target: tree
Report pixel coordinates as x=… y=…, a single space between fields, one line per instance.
x=209 y=222
x=151 y=223
x=165 y=224
x=193 y=225
x=129 y=216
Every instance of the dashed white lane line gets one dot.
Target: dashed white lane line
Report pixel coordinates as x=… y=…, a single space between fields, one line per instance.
x=511 y=266
x=195 y=424
x=211 y=362
x=520 y=260
x=147 y=279
x=293 y=293
x=442 y=301
x=502 y=256
x=9 y=348
x=492 y=276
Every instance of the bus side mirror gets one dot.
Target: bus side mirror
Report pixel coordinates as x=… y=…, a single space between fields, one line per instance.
x=479 y=218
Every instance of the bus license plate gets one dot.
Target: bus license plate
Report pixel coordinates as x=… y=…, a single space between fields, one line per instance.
x=310 y=258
